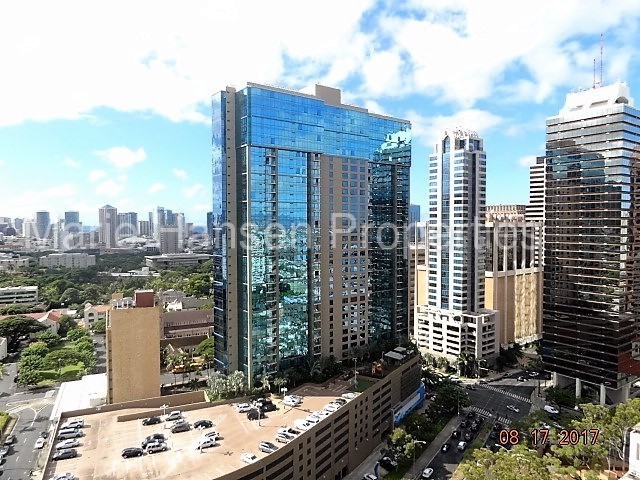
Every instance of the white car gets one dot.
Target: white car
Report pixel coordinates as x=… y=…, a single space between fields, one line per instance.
x=290 y=402
x=302 y=424
x=175 y=415
x=513 y=408
x=248 y=457
x=349 y=395
x=320 y=414
x=40 y=443
x=213 y=435
x=427 y=473
x=206 y=443
x=550 y=409
x=71 y=443
x=243 y=407
x=63 y=476
x=331 y=407
x=74 y=423
x=313 y=419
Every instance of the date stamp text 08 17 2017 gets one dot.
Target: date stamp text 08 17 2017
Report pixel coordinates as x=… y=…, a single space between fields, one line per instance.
x=540 y=436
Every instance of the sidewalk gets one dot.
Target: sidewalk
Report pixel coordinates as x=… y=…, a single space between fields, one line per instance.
x=433 y=448
x=368 y=464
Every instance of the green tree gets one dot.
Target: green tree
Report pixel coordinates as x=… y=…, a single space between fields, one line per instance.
x=83 y=344
x=99 y=326
x=449 y=399
x=71 y=296
x=77 y=333
x=520 y=463
x=30 y=362
x=205 y=347
x=17 y=326
x=38 y=349
x=65 y=324
x=28 y=376
x=51 y=339
x=198 y=285
x=561 y=396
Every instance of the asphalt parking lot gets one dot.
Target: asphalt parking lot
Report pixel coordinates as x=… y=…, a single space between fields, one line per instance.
x=99 y=455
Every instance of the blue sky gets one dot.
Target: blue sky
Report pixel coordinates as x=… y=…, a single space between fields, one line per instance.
x=109 y=103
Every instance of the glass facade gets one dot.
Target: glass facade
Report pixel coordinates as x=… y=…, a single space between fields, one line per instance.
x=271 y=149
x=591 y=273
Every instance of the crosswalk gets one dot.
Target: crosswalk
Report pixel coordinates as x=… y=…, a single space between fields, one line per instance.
x=508 y=393
x=488 y=414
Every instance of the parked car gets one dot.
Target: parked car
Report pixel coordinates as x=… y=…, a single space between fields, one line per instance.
x=65 y=454
x=313 y=418
x=155 y=438
x=369 y=476
x=340 y=401
x=132 y=452
x=445 y=448
x=175 y=415
x=201 y=424
x=71 y=443
x=10 y=440
x=63 y=476
x=290 y=402
x=155 y=447
x=243 y=407
x=267 y=447
x=550 y=409
x=39 y=443
x=75 y=423
x=331 y=407
x=206 y=442
x=215 y=435
x=462 y=446
x=513 y=408
x=69 y=433
x=302 y=424
x=282 y=438
x=427 y=473
x=388 y=463
x=151 y=421
x=268 y=407
x=181 y=427
x=248 y=457
x=254 y=414
x=349 y=395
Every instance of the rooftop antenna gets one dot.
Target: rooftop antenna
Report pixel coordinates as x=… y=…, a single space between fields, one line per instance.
x=601 y=56
x=593 y=85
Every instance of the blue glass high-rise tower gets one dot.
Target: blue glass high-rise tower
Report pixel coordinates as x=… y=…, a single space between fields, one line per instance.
x=310 y=207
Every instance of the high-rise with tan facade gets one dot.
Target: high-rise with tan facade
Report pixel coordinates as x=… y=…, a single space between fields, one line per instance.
x=133 y=348
x=513 y=280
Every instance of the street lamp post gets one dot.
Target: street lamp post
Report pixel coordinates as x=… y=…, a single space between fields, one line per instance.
x=164 y=409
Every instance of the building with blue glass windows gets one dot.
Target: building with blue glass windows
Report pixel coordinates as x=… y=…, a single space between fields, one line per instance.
x=309 y=217
x=451 y=318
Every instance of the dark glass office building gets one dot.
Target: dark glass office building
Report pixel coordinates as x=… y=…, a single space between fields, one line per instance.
x=591 y=271
x=306 y=192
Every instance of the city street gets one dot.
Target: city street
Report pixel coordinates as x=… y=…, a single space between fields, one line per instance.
x=32 y=410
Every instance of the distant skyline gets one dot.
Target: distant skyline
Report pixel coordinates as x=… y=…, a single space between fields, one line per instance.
x=90 y=117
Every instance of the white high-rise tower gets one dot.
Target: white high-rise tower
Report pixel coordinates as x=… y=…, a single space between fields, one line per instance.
x=450 y=314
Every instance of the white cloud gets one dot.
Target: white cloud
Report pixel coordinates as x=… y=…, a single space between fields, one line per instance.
x=71 y=163
x=110 y=188
x=178 y=172
x=427 y=130
x=122 y=157
x=156 y=187
x=527 y=161
x=95 y=175
x=194 y=190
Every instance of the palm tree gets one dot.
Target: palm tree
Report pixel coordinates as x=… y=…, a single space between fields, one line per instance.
x=173 y=360
x=279 y=382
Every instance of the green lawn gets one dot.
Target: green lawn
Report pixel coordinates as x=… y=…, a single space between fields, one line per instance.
x=4 y=418
x=68 y=372
x=362 y=385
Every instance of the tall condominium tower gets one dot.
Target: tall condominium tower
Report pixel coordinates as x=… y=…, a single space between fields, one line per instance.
x=127 y=224
x=72 y=222
x=108 y=223
x=43 y=225
x=310 y=206
x=451 y=318
x=591 y=272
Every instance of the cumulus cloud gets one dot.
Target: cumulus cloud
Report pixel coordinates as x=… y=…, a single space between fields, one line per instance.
x=527 y=161
x=156 y=187
x=427 y=130
x=71 y=163
x=109 y=188
x=95 y=175
x=180 y=173
x=122 y=157
x=193 y=190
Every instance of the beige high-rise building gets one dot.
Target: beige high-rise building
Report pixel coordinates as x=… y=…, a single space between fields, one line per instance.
x=513 y=279
x=417 y=258
x=108 y=222
x=133 y=348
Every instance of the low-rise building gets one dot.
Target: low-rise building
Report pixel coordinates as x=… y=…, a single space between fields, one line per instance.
x=67 y=260
x=190 y=326
x=171 y=260
x=94 y=313
x=9 y=262
x=22 y=294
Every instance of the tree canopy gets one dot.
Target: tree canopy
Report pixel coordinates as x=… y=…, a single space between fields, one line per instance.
x=520 y=463
x=16 y=326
